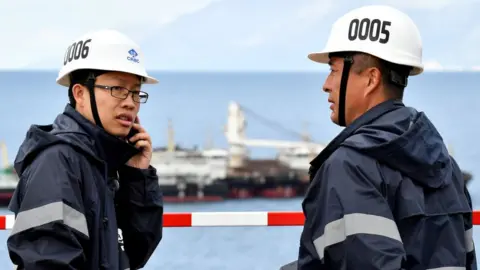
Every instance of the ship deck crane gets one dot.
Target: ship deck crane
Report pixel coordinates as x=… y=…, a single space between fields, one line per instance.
x=238 y=142
x=235 y=131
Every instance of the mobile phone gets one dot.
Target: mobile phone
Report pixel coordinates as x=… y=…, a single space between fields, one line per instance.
x=132 y=132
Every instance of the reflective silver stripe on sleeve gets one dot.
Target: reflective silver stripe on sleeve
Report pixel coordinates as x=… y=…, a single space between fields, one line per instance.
x=57 y=211
x=338 y=230
x=469 y=240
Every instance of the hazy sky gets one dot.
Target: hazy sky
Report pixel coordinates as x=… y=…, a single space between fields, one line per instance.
x=224 y=34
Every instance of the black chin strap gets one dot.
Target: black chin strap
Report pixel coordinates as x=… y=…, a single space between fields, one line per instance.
x=91 y=86
x=347 y=63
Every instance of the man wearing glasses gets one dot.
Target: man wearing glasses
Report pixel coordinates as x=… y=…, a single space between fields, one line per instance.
x=88 y=197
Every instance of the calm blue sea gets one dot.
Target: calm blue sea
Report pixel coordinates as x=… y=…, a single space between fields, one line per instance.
x=197 y=104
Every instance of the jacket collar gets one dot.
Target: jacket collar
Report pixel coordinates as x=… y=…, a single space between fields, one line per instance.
x=114 y=151
x=368 y=117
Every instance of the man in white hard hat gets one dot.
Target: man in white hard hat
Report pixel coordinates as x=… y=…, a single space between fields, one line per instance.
x=88 y=197
x=384 y=194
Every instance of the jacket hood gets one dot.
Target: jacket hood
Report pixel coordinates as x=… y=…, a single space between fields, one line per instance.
x=405 y=140
x=73 y=129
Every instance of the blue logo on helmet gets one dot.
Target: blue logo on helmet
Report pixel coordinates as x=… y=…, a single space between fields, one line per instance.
x=133 y=56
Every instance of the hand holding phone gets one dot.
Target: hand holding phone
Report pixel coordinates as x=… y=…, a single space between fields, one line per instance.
x=139 y=138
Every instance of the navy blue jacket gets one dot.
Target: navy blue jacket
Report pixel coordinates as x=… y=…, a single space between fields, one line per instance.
x=386 y=195
x=76 y=198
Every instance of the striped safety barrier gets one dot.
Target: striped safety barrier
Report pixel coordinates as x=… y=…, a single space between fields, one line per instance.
x=223 y=219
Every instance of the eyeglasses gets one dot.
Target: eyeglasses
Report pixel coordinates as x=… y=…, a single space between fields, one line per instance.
x=122 y=93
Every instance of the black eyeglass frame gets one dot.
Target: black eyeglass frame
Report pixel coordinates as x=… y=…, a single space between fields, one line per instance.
x=136 y=94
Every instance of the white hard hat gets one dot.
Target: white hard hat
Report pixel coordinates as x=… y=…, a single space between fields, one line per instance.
x=381 y=31
x=107 y=50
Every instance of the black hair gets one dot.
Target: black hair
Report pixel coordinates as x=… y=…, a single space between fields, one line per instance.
x=80 y=77
x=394 y=76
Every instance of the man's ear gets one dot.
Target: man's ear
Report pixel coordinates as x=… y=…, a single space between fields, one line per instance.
x=80 y=93
x=374 y=77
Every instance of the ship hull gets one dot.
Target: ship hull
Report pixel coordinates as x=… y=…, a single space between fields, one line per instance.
x=266 y=187
x=214 y=192
x=5 y=196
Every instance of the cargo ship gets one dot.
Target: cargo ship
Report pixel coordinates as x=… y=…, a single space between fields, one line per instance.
x=214 y=174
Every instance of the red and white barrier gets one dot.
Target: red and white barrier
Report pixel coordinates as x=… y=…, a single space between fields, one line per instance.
x=223 y=219
x=214 y=219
